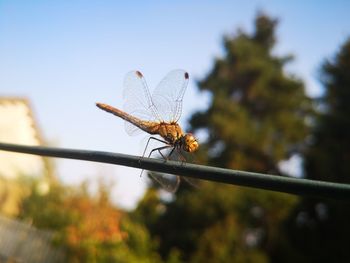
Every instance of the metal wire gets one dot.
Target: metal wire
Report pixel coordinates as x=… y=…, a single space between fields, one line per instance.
x=256 y=180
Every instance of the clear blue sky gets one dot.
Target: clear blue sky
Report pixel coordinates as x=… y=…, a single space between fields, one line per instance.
x=66 y=55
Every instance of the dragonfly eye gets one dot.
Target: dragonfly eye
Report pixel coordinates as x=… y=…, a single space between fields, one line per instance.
x=190 y=143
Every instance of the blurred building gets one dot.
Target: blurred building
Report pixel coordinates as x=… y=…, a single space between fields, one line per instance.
x=18 y=125
x=21 y=242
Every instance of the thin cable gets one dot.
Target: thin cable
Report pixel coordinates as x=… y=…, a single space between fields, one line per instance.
x=256 y=180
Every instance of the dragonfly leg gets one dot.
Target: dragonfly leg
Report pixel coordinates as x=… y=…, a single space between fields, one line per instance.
x=182 y=157
x=172 y=151
x=152 y=138
x=144 y=151
x=159 y=150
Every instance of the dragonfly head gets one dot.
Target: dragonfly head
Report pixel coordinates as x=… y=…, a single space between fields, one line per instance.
x=190 y=143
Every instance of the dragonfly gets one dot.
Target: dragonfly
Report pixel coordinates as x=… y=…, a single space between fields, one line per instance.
x=157 y=114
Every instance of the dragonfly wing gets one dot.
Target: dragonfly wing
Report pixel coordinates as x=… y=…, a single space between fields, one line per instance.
x=180 y=155
x=138 y=100
x=168 y=95
x=132 y=129
x=168 y=182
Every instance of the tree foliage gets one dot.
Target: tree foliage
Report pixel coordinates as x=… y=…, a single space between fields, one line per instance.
x=319 y=229
x=89 y=227
x=255 y=119
x=256 y=116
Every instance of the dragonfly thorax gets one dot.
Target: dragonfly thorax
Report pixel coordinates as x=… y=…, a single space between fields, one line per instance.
x=171 y=132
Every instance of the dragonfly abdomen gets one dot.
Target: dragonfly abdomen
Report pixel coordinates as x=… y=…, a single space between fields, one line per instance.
x=149 y=127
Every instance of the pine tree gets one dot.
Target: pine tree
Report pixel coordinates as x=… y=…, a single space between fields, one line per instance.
x=320 y=228
x=257 y=113
x=255 y=119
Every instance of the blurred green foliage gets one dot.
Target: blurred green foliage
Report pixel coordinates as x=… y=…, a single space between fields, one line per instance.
x=319 y=229
x=89 y=227
x=255 y=119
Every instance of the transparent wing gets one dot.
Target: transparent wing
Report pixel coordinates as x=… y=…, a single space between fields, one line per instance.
x=138 y=101
x=168 y=95
x=181 y=156
x=168 y=182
